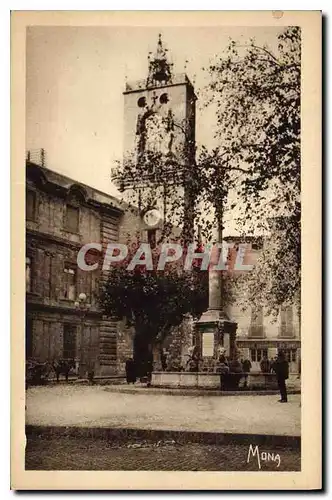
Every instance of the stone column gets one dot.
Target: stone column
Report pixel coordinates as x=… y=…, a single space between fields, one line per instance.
x=215 y=291
x=215 y=318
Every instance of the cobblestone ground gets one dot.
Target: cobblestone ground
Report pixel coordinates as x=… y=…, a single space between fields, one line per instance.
x=90 y=454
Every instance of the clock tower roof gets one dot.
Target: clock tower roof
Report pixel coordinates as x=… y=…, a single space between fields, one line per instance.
x=160 y=72
x=160 y=69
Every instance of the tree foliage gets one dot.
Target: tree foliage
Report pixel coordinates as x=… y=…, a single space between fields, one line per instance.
x=153 y=301
x=253 y=174
x=256 y=95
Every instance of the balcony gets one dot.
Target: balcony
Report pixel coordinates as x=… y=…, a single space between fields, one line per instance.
x=286 y=333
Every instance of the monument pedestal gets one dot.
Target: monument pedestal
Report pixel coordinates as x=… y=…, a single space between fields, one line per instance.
x=214 y=332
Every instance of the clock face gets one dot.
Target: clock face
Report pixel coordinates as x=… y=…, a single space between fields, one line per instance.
x=152 y=217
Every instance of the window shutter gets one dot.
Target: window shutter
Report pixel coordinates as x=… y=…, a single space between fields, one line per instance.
x=30 y=204
x=256 y=326
x=286 y=321
x=28 y=277
x=72 y=218
x=69 y=283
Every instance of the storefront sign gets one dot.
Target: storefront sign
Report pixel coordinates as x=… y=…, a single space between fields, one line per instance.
x=264 y=344
x=288 y=345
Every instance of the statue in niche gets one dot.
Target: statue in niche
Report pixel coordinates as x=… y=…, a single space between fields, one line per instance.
x=155 y=131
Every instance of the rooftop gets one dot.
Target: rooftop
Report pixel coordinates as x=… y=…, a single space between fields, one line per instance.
x=37 y=159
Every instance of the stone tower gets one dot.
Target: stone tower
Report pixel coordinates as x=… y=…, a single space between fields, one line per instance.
x=159 y=132
x=159 y=142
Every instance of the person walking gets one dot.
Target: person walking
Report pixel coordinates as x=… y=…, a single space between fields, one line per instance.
x=246 y=367
x=265 y=365
x=281 y=369
x=236 y=373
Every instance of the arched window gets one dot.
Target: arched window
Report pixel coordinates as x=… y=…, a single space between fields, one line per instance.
x=76 y=197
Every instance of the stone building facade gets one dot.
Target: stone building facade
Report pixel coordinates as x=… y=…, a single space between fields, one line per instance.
x=257 y=333
x=61 y=216
x=260 y=334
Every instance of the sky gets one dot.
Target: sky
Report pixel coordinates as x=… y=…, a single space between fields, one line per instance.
x=75 y=77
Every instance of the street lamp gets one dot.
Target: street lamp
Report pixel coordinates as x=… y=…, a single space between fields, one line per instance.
x=83 y=307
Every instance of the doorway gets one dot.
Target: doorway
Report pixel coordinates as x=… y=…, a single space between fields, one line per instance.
x=69 y=341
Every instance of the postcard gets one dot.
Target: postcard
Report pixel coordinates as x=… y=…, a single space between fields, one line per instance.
x=166 y=202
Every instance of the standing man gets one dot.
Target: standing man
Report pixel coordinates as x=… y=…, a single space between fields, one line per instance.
x=281 y=369
x=223 y=370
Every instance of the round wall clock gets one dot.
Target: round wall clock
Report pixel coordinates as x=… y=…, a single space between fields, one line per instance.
x=152 y=217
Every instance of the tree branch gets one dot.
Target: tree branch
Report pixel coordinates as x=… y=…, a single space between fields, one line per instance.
x=264 y=50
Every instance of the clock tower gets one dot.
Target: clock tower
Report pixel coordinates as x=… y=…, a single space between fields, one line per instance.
x=159 y=138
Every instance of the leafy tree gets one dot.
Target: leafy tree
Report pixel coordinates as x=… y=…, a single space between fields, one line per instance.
x=153 y=301
x=256 y=96
x=254 y=171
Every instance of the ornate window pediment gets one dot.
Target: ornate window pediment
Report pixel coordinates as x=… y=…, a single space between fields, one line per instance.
x=76 y=194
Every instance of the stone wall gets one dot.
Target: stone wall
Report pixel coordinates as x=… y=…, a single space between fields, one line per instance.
x=125 y=338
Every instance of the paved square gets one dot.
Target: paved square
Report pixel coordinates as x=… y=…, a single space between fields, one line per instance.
x=69 y=405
